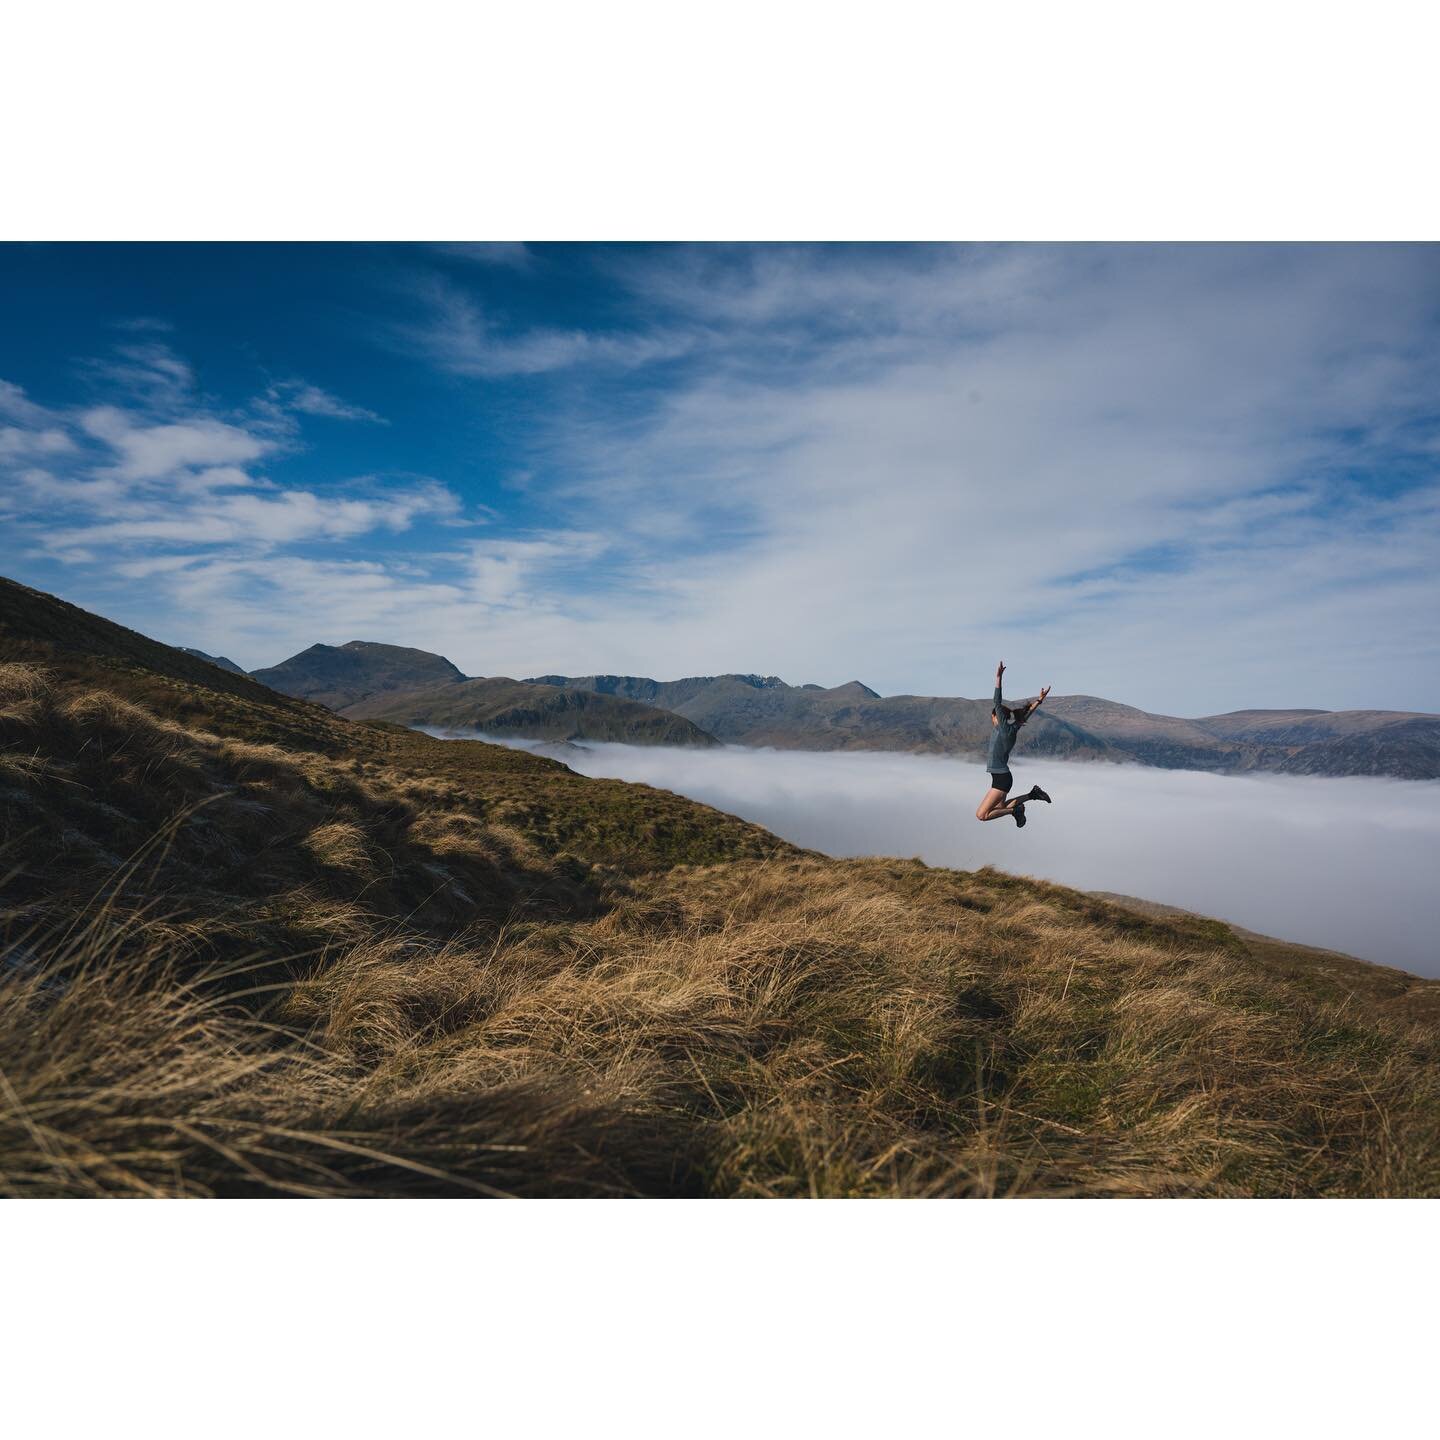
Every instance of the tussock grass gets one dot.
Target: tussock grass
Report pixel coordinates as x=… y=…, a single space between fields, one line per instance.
x=229 y=968
x=340 y=845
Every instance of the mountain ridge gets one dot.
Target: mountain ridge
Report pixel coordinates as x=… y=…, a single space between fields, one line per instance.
x=223 y=661
x=498 y=705
x=368 y=679
x=738 y=710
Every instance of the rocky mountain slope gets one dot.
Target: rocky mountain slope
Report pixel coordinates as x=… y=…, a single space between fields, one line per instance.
x=341 y=675
x=500 y=706
x=370 y=681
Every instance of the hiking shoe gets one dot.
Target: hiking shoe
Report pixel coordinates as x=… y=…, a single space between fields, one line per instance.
x=1019 y=813
x=1036 y=793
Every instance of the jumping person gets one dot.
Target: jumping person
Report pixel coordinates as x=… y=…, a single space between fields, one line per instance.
x=1006 y=725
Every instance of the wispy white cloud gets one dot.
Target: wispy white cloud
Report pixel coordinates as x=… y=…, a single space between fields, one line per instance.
x=156 y=452
x=15 y=442
x=459 y=336
x=525 y=572
x=148 y=373
x=264 y=607
x=257 y=521
x=159 y=468
x=286 y=398
x=498 y=603
x=512 y=253
x=16 y=405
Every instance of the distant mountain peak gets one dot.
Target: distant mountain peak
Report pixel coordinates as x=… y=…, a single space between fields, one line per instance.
x=223 y=661
x=379 y=647
x=341 y=675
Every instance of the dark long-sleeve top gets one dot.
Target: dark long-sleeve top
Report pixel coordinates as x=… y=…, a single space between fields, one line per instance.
x=1002 y=738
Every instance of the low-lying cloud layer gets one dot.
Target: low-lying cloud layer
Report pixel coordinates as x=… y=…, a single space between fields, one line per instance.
x=1346 y=864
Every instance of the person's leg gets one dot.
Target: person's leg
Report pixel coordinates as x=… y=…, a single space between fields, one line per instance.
x=994 y=798
x=1033 y=793
x=995 y=806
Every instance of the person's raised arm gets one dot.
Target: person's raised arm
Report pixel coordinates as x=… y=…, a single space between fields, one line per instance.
x=999 y=676
x=1037 y=703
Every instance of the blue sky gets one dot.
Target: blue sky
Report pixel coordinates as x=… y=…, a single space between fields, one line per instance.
x=1195 y=478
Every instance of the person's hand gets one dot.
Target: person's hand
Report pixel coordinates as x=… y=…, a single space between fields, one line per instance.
x=1043 y=693
x=1000 y=668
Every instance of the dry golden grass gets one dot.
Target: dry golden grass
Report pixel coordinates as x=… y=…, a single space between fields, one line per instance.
x=350 y=974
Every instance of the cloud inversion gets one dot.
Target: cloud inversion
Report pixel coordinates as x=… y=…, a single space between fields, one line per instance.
x=1343 y=864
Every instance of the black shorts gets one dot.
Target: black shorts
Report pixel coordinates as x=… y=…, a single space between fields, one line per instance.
x=1002 y=780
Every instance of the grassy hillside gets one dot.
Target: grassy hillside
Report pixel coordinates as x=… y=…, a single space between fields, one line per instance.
x=76 y=648
x=500 y=706
x=1381 y=989
x=353 y=960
